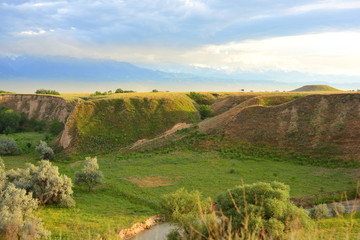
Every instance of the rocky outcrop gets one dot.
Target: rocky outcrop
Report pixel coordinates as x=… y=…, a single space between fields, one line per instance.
x=39 y=107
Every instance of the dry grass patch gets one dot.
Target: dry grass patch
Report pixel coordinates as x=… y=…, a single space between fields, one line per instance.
x=153 y=181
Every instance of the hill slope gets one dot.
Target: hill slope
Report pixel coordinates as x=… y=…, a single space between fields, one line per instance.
x=316 y=88
x=109 y=124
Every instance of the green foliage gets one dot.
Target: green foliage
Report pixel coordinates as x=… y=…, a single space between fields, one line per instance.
x=185 y=209
x=263 y=208
x=205 y=111
x=46 y=152
x=119 y=90
x=320 y=211
x=47 y=91
x=3 y=91
x=90 y=174
x=9 y=120
x=8 y=146
x=44 y=182
x=56 y=127
x=155 y=90
x=17 y=220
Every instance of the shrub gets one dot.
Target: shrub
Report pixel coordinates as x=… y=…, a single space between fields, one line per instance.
x=155 y=90
x=46 y=152
x=47 y=91
x=119 y=90
x=205 y=111
x=90 y=174
x=44 y=182
x=8 y=146
x=262 y=208
x=320 y=211
x=56 y=127
x=186 y=209
x=16 y=215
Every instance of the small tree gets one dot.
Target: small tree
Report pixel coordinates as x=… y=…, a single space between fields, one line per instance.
x=8 y=146
x=90 y=174
x=155 y=90
x=119 y=90
x=56 y=127
x=44 y=182
x=16 y=215
x=46 y=152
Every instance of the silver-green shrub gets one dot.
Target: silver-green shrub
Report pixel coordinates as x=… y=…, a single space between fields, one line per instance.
x=8 y=146
x=44 y=182
x=16 y=215
x=320 y=211
x=90 y=174
x=46 y=152
x=338 y=209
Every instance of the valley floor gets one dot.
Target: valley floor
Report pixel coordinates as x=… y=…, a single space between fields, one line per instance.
x=135 y=183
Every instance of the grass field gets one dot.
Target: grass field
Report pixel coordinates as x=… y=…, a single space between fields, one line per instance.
x=134 y=184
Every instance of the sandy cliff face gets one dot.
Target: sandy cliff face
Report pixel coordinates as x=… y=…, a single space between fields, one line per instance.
x=40 y=107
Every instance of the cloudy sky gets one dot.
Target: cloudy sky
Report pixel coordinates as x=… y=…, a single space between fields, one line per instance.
x=314 y=38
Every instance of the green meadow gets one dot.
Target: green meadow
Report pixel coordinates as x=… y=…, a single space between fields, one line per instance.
x=134 y=183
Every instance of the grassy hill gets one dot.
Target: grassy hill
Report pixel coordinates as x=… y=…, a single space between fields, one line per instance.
x=316 y=88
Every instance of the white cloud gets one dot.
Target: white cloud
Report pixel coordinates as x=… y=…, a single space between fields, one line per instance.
x=322 y=53
x=32 y=32
x=323 y=6
x=334 y=53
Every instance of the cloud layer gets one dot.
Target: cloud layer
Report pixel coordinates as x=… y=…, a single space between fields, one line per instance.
x=317 y=37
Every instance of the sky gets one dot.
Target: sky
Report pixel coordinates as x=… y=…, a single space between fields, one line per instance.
x=317 y=39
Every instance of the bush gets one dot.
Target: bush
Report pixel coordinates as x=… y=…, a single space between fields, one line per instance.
x=44 y=182
x=155 y=90
x=46 y=152
x=205 y=111
x=186 y=209
x=56 y=127
x=46 y=91
x=320 y=211
x=17 y=220
x=262 y=208
x=119 y=90
x=90 y=174
x=8 y=146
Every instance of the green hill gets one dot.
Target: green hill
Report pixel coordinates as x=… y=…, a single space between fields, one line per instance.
x=316 y=88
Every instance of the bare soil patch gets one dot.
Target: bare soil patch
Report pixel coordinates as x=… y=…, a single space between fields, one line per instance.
x=153 y=181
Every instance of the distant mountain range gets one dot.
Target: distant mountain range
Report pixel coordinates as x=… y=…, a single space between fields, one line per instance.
x=36 y=71
x=33 y=67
